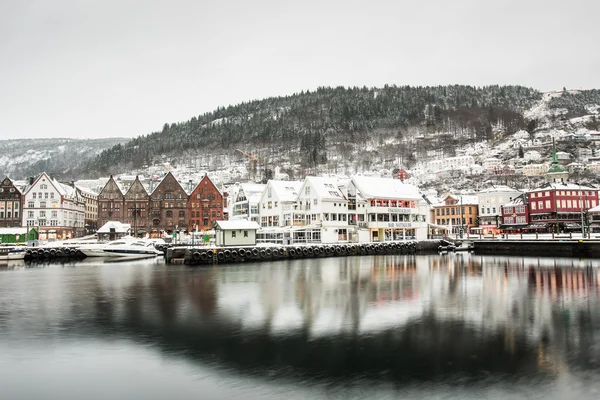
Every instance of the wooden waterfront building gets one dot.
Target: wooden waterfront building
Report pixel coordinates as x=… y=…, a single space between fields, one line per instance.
x=205 y=206
x=11 y=204
x=168 y=208
x=135 y=208
x=110 y=203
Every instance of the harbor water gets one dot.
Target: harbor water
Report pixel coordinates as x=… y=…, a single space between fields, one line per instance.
x=380 y=327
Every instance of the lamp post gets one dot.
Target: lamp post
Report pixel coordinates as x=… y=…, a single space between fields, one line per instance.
x=461 y=219
x=581 y=209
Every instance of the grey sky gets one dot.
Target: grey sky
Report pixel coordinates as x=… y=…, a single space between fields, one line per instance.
x=76 y=68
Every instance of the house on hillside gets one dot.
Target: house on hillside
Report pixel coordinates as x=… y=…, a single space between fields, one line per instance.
x=11 y=205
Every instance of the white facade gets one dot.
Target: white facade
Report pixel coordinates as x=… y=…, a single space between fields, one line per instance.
x=235 y=233
x=321 y=203
x=491 y=164
x=245 y=202
x=392 y=210
x=277 y=203
x=58 y=210
x=490 y=203
x=450 y=163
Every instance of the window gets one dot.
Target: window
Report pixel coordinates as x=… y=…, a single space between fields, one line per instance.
x=181 y=214
x=33 y=195
x=46 y=195
x=533 y=205
x=245 y=234
x=31 y=204
x=42 y=204
x=315 y=202
x=169 y=214
x=548 y=204
x=307 y=191
x=232 y=234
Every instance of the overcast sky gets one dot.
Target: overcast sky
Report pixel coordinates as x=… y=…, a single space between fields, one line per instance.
x=77 y=68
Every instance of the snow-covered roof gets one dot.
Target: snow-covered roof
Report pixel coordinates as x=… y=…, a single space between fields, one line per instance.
x=116 y=225
x=326 y=188
x=236 y=224
x=501 y=188
x=13 y=231
x=253 y=191
x=385 y=188
x=562 y=186
x=595 y=209
x=286 y=190
x=86 y=190
x=517 y=201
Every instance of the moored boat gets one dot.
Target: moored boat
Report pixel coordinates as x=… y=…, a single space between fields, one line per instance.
x=12 y=253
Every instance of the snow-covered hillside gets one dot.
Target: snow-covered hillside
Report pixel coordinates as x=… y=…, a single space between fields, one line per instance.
x=21 y=158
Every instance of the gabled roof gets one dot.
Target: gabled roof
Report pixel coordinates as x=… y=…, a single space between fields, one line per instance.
x=466 y=199
x=165 y=177
x=205 y=178
x=385 y=188
x=138 y=184
x=110 y=181
x=326 y=188
x=286 y=190
x=236 y=224
x=517 y=201
x=9 y=182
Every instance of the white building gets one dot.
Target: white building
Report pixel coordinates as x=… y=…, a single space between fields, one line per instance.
x=491 y=164
x=277 y=203
x=322 y=204
x=450 y=163
x=55 y=209
x=392 y=209
x=245 y=202
x=490 y=203
x=235 y=233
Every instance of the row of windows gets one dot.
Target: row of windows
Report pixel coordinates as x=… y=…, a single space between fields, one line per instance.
x=453 y=221
x=41 y=195
x=453 y=210
x=564 y=193
x=541 y=205
x=9 y=214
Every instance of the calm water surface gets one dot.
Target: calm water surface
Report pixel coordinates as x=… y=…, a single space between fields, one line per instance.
x=381 y=327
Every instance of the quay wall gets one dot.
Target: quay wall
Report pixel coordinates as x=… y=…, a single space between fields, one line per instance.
x=200 y=255
x=558 y=248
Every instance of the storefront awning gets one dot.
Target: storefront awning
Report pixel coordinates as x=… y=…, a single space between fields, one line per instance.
x=509 y=227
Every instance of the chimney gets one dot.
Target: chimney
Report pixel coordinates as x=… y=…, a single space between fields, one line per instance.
x=190 y=185
x=31 y=180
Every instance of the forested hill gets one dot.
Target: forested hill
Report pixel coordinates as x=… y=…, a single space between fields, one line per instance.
x=305 y=128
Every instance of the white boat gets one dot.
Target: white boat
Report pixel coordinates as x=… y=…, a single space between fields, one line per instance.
x=124 y=248
x=12 y=253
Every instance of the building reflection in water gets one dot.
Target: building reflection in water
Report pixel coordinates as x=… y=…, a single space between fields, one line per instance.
x=419 y=317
